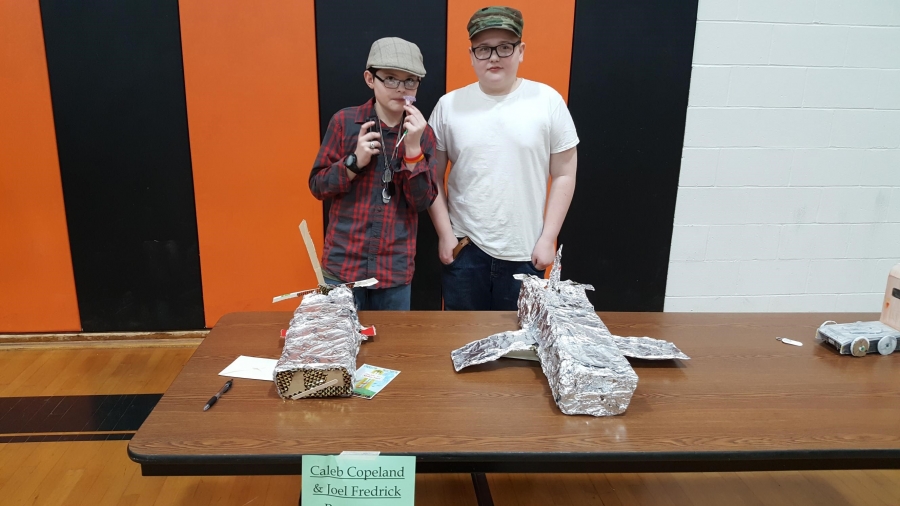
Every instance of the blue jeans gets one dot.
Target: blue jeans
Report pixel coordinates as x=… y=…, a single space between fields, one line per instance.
x=476 y=281
x=395 y=298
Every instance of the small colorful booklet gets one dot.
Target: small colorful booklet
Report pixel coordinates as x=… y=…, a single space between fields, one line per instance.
x=369 y=380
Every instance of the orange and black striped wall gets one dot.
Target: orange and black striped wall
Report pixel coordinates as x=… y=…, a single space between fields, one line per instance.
x=154 y=154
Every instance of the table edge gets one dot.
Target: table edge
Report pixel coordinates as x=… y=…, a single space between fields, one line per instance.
x=562 y=462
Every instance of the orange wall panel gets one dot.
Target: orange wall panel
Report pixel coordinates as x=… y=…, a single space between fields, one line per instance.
x=37 y=287
x=547 y=36
x=252 y=101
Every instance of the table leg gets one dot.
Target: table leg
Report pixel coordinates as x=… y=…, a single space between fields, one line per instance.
x=482 y=490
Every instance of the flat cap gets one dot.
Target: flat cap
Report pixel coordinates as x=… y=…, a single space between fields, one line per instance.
x=398 y=54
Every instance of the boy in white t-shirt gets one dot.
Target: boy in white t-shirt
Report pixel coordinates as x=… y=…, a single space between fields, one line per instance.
x=506 y=137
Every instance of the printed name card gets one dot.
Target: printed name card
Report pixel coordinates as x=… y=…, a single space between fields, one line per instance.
x=358 y=479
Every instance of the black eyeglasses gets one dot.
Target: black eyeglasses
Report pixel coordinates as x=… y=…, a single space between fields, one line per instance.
x=394 y=83
x=504 y=50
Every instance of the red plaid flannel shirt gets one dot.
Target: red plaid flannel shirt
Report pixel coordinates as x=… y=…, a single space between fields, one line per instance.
x=366 y=237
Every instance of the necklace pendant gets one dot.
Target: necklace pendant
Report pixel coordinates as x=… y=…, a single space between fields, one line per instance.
x=385 y=198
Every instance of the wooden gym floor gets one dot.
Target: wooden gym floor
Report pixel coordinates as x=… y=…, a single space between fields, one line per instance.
x=67 y=412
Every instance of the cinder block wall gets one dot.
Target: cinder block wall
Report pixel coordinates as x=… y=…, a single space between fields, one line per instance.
x=789 y=194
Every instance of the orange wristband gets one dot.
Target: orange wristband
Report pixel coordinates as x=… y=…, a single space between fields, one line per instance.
x=414 y=160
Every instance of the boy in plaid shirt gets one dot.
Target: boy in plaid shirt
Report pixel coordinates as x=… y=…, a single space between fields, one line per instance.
x=377 y=164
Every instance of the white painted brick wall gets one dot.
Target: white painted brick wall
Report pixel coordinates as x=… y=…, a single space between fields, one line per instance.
x=789 y=195
x=858 y=12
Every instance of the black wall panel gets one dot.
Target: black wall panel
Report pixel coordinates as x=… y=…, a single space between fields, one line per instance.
x=631 y=68
x=345 y=30
x=117 y=85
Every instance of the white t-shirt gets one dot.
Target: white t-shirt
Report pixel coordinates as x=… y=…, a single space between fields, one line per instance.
x=500 y=148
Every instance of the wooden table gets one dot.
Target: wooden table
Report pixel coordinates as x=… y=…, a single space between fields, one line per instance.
x=743 y=402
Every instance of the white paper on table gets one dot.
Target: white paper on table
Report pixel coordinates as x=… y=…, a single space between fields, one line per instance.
x=254 y=368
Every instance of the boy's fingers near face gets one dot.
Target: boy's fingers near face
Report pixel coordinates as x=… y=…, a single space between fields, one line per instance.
x=412 y=110
x=414 y=119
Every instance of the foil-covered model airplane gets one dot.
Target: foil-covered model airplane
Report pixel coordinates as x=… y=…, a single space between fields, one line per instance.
x=323 y=337
x=583 y=362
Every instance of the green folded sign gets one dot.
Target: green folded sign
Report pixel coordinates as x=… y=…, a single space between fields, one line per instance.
x=358 y=480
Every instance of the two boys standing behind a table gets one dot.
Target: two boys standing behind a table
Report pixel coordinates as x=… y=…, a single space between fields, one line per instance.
x=506 y=138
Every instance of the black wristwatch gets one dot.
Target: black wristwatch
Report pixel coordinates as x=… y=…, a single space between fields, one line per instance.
x=350 y=163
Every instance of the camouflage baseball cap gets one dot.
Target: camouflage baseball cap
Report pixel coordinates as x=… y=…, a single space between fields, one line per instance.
x=398 y=54
x=504 y=18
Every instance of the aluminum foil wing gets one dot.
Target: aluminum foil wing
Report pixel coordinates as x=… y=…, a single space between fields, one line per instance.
x=647 y=348
x=491 y=348
x=320 y=347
